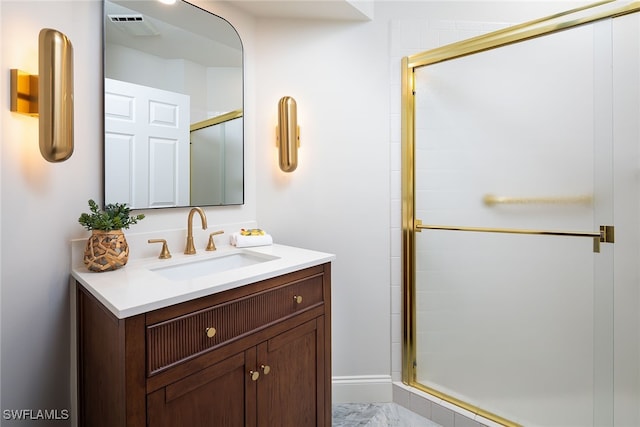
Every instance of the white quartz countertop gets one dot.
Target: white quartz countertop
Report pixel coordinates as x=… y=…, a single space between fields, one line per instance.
x=136 y=288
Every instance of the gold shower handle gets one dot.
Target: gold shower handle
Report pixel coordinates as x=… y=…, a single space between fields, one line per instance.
x=492 y=200
x=605 y=235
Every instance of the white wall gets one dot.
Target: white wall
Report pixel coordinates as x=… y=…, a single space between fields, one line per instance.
x=40 y=206
x=338 y=198
x=222 y=85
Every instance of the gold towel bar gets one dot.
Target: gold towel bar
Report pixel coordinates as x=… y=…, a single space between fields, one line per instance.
x=605 y=235
x=491 y=200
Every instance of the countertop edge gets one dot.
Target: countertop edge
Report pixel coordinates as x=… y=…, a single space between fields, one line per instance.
x=122 y=311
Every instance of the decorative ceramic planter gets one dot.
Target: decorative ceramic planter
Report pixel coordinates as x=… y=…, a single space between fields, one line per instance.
x=106 y=250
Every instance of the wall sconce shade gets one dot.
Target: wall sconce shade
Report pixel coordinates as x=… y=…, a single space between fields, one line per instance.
x=288 y=139
x=49 y=95
x=55 y=92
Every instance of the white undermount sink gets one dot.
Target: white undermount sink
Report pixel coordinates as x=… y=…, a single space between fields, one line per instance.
x=205 y=267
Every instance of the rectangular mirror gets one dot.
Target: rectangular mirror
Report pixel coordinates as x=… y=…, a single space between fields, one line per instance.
x=173 y=105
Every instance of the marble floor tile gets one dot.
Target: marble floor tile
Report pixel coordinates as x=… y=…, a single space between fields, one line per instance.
x=377 y=415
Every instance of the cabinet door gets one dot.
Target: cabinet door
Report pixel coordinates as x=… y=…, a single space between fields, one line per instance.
x=291 y=386
x=219 y=395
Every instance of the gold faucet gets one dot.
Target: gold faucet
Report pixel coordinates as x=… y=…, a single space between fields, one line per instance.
x=190 y=248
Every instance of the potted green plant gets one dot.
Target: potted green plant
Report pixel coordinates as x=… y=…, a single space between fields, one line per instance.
x=107 y=247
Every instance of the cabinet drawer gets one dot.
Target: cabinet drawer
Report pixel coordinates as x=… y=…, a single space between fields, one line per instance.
x=185 y=337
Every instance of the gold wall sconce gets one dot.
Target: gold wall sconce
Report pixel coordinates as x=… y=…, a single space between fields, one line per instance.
x=48 y=95
x=288 y=134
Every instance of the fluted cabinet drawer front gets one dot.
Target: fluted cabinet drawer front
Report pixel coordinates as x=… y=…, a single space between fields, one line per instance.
x=185 y=337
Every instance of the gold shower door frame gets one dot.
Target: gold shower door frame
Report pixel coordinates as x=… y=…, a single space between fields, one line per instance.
x=411 y=225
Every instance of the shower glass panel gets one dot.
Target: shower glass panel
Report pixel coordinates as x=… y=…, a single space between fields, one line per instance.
x=517 y=138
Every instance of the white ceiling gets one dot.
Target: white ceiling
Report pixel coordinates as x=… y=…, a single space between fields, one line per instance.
x=343 y=10
x=183 y=31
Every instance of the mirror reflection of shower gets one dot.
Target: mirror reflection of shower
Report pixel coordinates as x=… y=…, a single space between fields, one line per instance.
x=216 y=152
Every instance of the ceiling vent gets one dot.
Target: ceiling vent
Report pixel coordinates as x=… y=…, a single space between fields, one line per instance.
x=135 y=25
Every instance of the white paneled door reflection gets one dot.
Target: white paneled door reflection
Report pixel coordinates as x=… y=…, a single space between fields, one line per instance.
x=146 y=146
x=519 y=325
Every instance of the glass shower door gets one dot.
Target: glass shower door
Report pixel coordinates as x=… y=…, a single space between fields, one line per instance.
x=513 y=180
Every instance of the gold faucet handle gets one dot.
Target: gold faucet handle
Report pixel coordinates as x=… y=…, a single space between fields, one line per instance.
x=212 y=246
x=164 y=253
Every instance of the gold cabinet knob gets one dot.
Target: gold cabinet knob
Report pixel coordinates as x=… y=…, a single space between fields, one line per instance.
x=211 y=332
x=254 y=375
x=265 y=369
x=297 y=298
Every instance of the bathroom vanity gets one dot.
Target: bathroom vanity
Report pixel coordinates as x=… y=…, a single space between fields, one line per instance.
x=247 y=346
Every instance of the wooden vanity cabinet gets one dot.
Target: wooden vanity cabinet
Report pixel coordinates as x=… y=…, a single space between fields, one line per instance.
x=258 y=355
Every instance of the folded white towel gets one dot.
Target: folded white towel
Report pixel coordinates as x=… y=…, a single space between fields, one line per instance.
x=240 y=241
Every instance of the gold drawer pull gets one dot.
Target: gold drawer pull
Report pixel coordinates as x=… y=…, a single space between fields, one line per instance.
x=254 y=375
x=211 y=332
x=297 y=298
x=265 y=369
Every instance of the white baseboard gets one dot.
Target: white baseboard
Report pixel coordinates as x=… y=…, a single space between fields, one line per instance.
x=362 y=389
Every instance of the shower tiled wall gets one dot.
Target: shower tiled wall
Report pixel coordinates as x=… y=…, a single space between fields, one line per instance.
x=408 y=37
